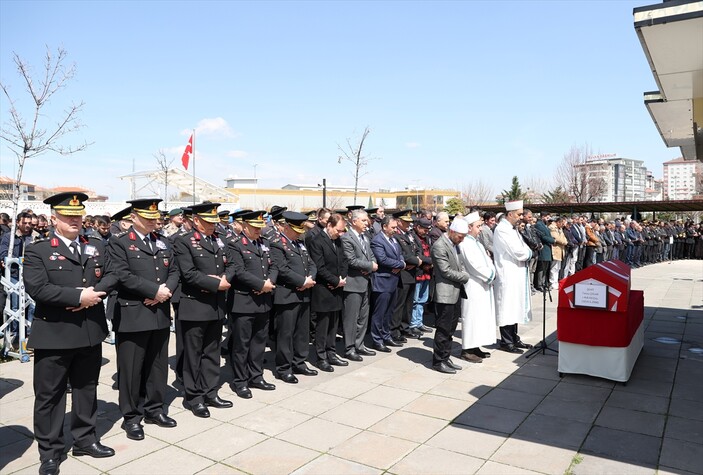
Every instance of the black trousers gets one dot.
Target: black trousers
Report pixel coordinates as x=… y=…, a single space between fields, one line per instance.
x=142 y=359
x=446 y=321
x=248 y=344
x=52 y=370
x=201 y=359
x=179 y=343
x=400 y=321
x=292 y=336
x=325 y=334
x=508 y=335
x=581 y=256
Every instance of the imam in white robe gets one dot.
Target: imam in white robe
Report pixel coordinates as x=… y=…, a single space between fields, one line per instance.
x=478 y=321
x=511 y=287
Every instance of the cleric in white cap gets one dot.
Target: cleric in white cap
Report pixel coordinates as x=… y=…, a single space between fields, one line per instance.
x=511 y=288
x=478 y=324
x=448 y=279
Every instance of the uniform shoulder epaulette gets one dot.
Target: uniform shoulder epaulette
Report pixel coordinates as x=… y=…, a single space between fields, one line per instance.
x=274 y=239
x=120 y=234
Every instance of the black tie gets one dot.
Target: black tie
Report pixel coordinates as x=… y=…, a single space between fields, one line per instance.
x=147 y=241
x=74 y=248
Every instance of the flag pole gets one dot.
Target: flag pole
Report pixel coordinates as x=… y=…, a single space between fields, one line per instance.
x=193 y=151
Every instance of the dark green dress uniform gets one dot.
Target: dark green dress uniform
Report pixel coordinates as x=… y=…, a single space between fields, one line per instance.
x=201 y=311
x=292 y=305
x=67 y=344
x=142 y=264
x=249 y=311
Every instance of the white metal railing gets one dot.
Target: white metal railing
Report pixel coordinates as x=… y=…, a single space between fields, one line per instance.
x=15 y=291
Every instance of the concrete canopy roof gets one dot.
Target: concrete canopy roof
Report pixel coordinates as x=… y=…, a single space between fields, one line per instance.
x=671 y=34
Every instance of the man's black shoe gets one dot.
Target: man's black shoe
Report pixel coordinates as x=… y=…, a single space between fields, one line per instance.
x=243 y=392
x=218 y=403
x=263 y=385
x=287 y=378
x=199 y=410
x=414 y=333
x=304 y=370
x=425 y=329
x=444 y=368
x=381 y=347
x=353 y=356
x=161 y=420
x=133 y=430
x=325 y=366
x=393 y=343
x=363 y=351
x=335 y=361
x=524 y=346
x=49 y=467
x=511 y=349
x=453 y=365
x=399 y=338
x=482 y=354
x=95 y=450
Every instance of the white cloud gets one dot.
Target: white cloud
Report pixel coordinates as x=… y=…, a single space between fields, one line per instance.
x=237 y=154
x=412 y=145
x=216 y=126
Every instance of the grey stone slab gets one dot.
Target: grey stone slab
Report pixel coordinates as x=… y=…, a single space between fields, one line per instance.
x=689 y=371
x=593 y=465
x=641 y=402
x=686 y=408
x=491 y=418
x=586 y=380
x=646 y=386
x=682 y=455
x=690 y=392
x=555 y=431
x=652 y=374
x=631 y=421
x=510 y=399
x=674 y=327
x=538 y=371
x=684 y=429
x=624 y=446
x=581 y=411
x=580 y=393
x=528 y=384
x=656 y=362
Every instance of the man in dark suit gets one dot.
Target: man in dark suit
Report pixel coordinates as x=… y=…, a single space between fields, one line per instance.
x=65 y=275
x=185 y=227
x=250 y=301
x=327 y=294
x=143 y=263
x=385 y=283
x=410 y=249
x=362 y=264
x=206 y=273
x=544 y=258
x=296 y=277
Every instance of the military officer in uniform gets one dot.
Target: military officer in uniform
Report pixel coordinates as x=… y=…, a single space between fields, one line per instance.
x=250 y=301
x=143 y=263
x=206 y=275
x=65 y=275
x=296 y=276
x=185 y=227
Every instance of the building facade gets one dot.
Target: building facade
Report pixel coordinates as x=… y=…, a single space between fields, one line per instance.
x=615 y=179
x=682 y=179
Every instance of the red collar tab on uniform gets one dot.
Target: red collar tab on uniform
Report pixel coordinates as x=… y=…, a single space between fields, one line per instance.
x=244 y=240
x=197 y=235
x=83 y=239
x=54 y=242
x=132 y=236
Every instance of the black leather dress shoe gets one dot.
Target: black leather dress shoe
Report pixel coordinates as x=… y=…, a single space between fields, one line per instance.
x=511 y=349
x=523 y=345
x=96 y=450
x=218 y=403
x=287 y=378
x=49 y=467
x=243 y=392
x=453 y=365
x=263 y=385
x=335 y=361
x=199 y=410
x=414 y=333
x=325 y=366
x=482 y=354
x=393 y=343
x=133 y=430
x=425 y=329
x=400 y=339
x=161 y=420
x=444 y=368
x=381 y=347
x=363 y=351
x=304 y=370
x=353 y=356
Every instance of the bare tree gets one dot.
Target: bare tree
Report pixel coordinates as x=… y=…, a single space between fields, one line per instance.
x=25 y=132
x=354 y=154
x=579 y=178
x=477 y=193
x=164 y=166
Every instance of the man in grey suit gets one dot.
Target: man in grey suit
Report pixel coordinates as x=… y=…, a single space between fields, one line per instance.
x=448 y=279
x=362 y=263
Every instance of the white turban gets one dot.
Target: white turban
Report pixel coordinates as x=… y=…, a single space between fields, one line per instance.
x=460 y=226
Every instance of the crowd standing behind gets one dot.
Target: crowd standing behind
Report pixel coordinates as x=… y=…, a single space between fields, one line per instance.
x=284 y=279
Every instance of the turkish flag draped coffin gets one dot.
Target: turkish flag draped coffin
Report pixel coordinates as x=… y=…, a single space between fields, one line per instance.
x=613 y=326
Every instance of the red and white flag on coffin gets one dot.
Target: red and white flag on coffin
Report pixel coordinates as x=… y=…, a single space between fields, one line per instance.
x=187 y=153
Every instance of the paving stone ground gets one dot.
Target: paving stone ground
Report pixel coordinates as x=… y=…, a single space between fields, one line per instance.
x=393 y=414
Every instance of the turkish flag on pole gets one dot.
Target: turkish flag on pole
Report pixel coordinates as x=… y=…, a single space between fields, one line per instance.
x=187 y=153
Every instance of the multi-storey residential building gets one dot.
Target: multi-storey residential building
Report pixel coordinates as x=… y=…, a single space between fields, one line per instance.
x=614 y=179
x=682 y=179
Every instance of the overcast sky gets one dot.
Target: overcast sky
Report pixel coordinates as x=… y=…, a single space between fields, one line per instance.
x=452 y=91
